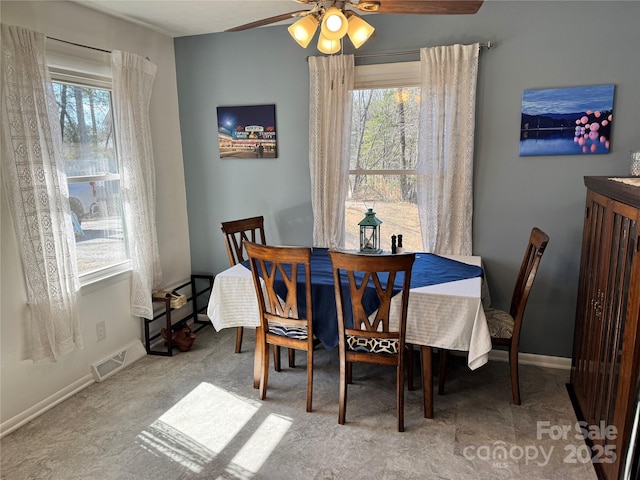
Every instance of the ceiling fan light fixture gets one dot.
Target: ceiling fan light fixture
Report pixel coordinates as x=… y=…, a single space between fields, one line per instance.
x=328 y=46
x=303 y=30
x=359 y=31
x=334 y=24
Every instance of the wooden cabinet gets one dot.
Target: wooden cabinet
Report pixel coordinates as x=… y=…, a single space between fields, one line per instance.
x=606 y=350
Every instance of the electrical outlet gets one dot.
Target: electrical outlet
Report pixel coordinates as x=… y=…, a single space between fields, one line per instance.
x=101 y=331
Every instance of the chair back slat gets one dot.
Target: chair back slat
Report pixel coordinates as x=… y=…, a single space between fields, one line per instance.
x=370 y=279
x=538 y=241
x=237 y=232
x=276 y=266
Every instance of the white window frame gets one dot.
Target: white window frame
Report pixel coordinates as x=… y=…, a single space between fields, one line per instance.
x=85 y=67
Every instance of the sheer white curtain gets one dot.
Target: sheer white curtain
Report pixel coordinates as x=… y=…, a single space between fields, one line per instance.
x=33 y=174
x=445 y=147
x=133 y=78
x=331 y=84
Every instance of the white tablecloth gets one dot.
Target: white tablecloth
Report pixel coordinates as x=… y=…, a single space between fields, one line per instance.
x=233 y=299
x=447 y=315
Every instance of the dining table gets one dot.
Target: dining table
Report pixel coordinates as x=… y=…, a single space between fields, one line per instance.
x=445 y=309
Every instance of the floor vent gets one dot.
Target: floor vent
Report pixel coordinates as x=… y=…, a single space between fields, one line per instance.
x=114 y=363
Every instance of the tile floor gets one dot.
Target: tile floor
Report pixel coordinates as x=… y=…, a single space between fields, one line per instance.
x=196 y=416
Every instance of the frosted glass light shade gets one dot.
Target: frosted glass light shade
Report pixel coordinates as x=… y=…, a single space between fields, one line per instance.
x=334 y=24
x=328 y=46
x=303 y=30
x=359 y=31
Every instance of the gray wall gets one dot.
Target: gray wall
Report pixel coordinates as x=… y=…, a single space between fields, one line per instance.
x=538 y=45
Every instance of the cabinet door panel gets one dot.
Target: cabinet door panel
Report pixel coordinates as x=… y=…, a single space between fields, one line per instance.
x=606 y=360
x=623 y=322
x=589 y=323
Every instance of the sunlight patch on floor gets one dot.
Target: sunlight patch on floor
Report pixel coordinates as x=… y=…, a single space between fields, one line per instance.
x=256 y=451
x=199 y=426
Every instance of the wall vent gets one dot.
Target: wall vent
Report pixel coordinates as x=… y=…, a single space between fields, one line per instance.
x=112 y=364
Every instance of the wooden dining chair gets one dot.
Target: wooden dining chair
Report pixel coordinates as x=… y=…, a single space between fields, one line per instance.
x=505 y=327
x=363 y=336
x=276 y=273
x=235 y=232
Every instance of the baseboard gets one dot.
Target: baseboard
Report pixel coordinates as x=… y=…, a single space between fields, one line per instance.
x=45 y=405
x=130 y=354
x=562 y=363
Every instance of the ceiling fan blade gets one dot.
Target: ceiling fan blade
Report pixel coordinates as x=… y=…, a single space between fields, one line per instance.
x=269 y=20
x=429 y=7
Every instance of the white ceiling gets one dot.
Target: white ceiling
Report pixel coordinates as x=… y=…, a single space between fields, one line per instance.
x=179 y=18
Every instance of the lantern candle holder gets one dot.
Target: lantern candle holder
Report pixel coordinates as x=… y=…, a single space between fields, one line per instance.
x=370 y=233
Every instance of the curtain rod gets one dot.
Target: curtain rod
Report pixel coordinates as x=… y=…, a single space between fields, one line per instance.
x=79 y=44
x=486 y=45
x=86 y=46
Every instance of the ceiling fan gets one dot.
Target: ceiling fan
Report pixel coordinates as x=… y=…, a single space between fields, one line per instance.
x=338 y=18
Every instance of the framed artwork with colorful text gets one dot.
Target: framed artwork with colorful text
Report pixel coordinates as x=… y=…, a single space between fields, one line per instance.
x=247 y=131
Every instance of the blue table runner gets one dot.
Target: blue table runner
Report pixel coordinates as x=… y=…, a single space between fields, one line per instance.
x=428 y=269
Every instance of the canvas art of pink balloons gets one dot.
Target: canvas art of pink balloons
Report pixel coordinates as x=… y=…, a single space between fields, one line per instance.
x=588 y=127
x=567 y=121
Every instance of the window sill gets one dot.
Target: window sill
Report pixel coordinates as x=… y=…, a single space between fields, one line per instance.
x=98 y=280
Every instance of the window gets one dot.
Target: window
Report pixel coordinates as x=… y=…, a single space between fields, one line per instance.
x=384 y=138
x=92 y=168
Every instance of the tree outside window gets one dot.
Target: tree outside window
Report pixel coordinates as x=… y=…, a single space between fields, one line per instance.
x=382 y=175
